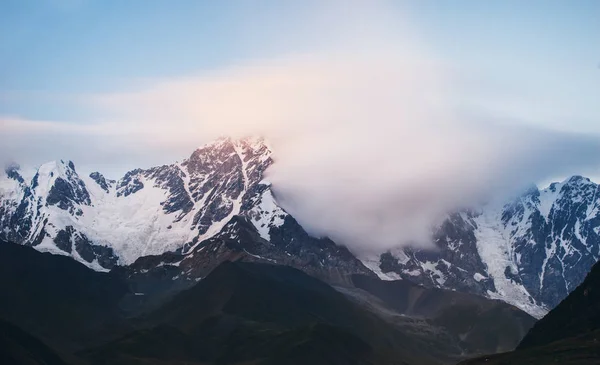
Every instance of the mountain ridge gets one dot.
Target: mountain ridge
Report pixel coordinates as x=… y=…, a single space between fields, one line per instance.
x=530 y=251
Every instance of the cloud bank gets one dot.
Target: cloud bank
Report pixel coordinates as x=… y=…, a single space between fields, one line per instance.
x=371 y=147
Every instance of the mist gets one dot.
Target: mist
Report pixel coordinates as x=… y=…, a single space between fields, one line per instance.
x=374 y=139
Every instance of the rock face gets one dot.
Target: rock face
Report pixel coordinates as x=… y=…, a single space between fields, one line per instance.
x=530 y=252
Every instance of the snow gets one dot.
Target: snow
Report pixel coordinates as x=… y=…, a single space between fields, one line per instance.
x=133 y=225
x=478 y=277
x=400 y=255
x=46 y=175
x=372 y=263
x=431 y=269
x=47 y=245
x=8 y=186
x=577 y=230
x=11 y=193
x=412 y=272
x=260 y=257
x=496 y=253
x=267 y=214
x=547 y=199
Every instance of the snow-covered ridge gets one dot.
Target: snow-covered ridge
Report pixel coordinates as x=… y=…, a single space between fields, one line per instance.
x=147 y=212
x=530 y=252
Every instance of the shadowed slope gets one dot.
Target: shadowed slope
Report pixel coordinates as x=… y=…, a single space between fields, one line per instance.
x=58 y=299
x=480 y=325
x=569 y=334
x=267 y=314
x=20 y=348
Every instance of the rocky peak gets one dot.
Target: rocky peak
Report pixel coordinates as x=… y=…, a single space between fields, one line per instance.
x=59 y=185
x=130 y=183
x=12 y=171
x=217 y=156
x=225 y=155
x=224 y=175
x=102 y=181
x=579 y=188
x=578 y=180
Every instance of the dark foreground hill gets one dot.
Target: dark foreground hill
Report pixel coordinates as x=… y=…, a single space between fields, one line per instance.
x=18 y=347
x=57 y=299
x=569 y=334
x=264 y=314
x=245 y=313
x=478 y=325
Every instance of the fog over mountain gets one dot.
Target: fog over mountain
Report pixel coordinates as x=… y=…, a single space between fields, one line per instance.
x=374 y=141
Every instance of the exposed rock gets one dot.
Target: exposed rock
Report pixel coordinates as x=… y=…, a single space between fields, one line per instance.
x=101 y=181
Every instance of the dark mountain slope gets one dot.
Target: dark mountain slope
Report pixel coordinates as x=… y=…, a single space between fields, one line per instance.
x=246 y=343
x=58 y=299
x=20 y=348
x=578 y=314
x=246 y=312
x=579 y=350
x=569 y=334
x=480 y=325
x=241 y=312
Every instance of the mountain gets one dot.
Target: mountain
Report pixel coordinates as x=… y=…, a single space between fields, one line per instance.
x=58 y=300
x=241 y=311
x=254 y=313
x=17 y=347
x=530 y=252
x=102 y=222
x=477 y=324
x=177 y=222
x=248 y=312
x=569 y=334
x=187 y=213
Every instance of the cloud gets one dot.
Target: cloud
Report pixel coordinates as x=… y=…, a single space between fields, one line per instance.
x=370 y=147
x=379 y=189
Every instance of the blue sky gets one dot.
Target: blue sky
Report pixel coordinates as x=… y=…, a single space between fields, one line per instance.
x=536 y=62
x=71 y=46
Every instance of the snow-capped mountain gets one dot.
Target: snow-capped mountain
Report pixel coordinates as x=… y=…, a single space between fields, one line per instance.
x=530 y=252
x=179 y=210
x=179 y=221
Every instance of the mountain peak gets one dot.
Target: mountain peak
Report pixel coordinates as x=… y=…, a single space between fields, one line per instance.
x=577 y=180
x=254 y=142
x=57 y=167
x=12 y=170
x=101 y=181
x=11 y=166
x=58 y=184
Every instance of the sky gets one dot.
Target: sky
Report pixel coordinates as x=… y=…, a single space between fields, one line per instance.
x=55 y=52
x=413 y=107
